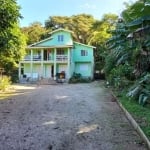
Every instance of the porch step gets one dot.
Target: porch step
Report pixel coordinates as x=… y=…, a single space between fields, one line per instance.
x=46 y=81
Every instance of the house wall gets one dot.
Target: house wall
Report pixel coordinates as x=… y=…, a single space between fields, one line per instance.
x=77 y=53
x=36 y=70
x=47 y=70
x=85 y=69
x=27 y=68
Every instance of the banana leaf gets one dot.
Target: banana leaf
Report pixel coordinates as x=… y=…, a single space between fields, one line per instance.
x=139 y=21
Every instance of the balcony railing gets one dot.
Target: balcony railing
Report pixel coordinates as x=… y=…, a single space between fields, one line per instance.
x=35 y=58
x=61 y=58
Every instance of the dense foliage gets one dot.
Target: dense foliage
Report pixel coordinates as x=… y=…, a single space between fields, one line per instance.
x=12 y=41
x=34 y=32
x=79 y=24
x=128 y=62
x=4 y=83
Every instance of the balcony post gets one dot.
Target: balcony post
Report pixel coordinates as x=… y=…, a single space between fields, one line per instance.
x=68 y=70
x=42 y=63
x=31 y=65
x=19 y=73
x=54 y=63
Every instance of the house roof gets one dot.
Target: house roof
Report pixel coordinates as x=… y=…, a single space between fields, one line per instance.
x=32 y=45
x=61 y=29
x=40 y=43
x=85 y=44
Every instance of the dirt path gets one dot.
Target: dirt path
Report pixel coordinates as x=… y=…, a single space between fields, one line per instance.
x=65 y=117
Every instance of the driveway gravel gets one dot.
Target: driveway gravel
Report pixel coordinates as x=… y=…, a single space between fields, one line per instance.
x=65 y=117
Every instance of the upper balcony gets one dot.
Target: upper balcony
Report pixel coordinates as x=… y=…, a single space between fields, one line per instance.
x=47 y=55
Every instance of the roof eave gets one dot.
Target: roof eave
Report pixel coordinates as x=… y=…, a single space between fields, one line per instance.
x=84 y=44
x=44 y=47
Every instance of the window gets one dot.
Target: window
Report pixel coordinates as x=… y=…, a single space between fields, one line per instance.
x=84 y=52
x=60 y=38
x=60 y=52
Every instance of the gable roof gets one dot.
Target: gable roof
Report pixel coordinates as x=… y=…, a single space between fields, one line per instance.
x=46 y=42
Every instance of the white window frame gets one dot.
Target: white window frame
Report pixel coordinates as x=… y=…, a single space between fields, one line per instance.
x=60 y=38
x=84 y=53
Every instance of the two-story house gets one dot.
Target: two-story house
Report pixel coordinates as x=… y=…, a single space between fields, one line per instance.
x=56 y=54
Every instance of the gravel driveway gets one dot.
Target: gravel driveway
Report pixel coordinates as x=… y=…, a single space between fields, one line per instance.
x=65 y=117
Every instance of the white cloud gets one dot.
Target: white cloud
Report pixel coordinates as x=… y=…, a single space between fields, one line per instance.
x=88 y=6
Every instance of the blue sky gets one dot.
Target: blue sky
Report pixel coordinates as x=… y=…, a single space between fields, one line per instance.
x=40 y=10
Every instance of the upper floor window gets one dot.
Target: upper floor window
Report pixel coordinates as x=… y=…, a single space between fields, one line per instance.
x=60 y=51
x=84 y=53
x=60 y=38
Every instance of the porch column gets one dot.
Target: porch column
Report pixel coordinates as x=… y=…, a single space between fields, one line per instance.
x=31 y=64
x=19 y=73
x=42 y=70
x=54 y=63
x=68 y=63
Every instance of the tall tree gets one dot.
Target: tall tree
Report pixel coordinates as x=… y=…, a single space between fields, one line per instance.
x=34 y=32
x=12 y=41
x=79 y=24
x=99 y=35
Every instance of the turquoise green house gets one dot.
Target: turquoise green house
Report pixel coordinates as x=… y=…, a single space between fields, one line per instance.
x=56 y=54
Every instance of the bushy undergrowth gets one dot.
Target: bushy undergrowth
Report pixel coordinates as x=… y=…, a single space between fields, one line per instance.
x=140 y=91
x=5 y=82
x=77 y=78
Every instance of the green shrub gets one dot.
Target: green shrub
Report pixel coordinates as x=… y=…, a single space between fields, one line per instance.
x=77 y=78
x=5 y=81
x=119 y=76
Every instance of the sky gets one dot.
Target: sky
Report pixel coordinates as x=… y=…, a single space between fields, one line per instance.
x=41 y=10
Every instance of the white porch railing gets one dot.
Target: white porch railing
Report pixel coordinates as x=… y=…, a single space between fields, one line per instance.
x=62 y=58
x=35 y=58
x=59 y=58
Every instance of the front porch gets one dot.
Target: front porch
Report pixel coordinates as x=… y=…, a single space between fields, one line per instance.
x=34 y=72
x=44 y=63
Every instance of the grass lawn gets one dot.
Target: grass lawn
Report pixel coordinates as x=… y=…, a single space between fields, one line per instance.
x=139 y=113
x=6 y=95
x=16 y=89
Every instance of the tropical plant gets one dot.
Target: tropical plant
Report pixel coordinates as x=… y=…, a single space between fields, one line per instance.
x=129 y=47
x=141 y=90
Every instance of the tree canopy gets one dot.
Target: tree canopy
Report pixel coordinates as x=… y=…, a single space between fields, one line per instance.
x=12 y=41
x=79 y=24
x=34 y=32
